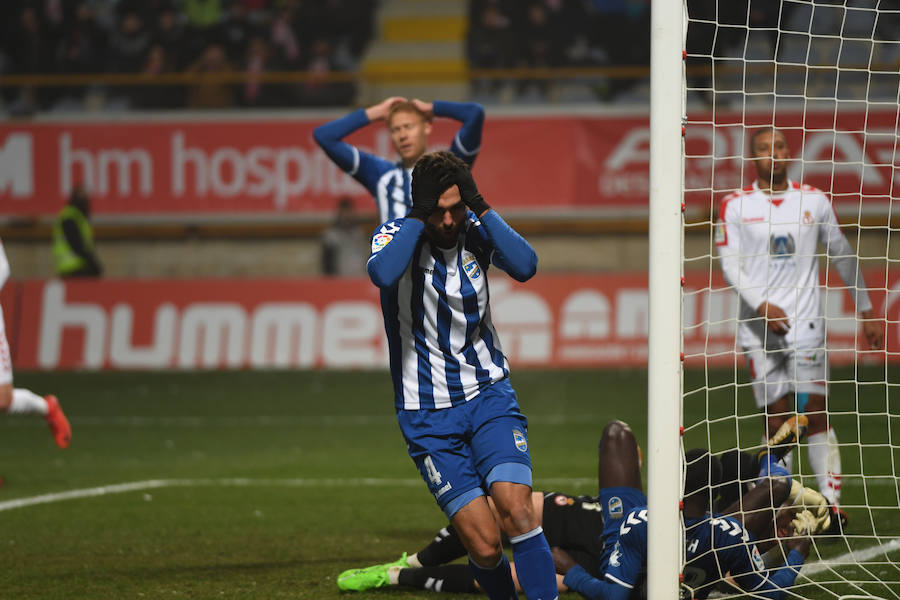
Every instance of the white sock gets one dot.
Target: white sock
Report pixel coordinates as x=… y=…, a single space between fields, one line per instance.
x=825 y=460
x=27 y=402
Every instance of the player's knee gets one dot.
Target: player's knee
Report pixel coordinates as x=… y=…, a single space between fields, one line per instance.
x=616 y=433
x=6 y=396
x=485 y=551
x=517 y=517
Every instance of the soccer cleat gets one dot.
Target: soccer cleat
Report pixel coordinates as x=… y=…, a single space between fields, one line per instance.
x=838 y=523
x=368 y=578
x=59 y=424
x=782 y=442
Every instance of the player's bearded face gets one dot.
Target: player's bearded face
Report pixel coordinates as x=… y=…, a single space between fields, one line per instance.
x=771 y=156
x=409 y=133
x=444 y=223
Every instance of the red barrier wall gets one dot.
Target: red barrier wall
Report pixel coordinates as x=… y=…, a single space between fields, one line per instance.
x=597 y=320
x=272 y=167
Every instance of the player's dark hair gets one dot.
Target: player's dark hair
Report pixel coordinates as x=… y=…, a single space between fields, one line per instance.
x=738 y=470
x=756 y=134
x=437 y=165
x=406 y=106
x=703 y=471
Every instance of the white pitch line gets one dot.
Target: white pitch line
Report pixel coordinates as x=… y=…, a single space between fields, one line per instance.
x=136 y=486
x=857 y=556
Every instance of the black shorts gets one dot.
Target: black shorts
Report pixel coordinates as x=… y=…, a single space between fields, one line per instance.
x=575 y=524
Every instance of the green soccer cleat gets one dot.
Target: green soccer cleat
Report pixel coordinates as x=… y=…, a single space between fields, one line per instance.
x=368 y=578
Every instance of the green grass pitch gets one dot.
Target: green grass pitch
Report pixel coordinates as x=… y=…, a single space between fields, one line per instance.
x=268 y=484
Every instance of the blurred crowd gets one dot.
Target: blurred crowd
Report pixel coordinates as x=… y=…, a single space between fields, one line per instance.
x=153 y=37
x=507 y=34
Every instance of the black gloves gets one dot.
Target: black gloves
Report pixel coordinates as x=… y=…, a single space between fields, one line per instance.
x=427 y=186
x=469 y=191
x=431 y=177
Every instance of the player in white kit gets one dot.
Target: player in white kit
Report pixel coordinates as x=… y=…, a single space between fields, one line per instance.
x=768 y=235
x=19 y=400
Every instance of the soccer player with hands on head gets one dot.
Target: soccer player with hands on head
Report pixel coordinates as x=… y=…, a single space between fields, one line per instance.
x=409 y=123
x=457 y=411
x=767 y=237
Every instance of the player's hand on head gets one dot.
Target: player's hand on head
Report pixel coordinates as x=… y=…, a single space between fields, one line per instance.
x=426 y=107
x=562 y=560
x=379 y=112
x=427 y=186
x=469 y=191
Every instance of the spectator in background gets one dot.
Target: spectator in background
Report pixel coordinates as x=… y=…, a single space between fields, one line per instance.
x=235 y=32
x=169 y=32
x=256 y=62
x=344 y=243
x=159 y=62
x=130 y=44
x=491 y=41
x=207 y=92
x=320 y=90
x=73 y=238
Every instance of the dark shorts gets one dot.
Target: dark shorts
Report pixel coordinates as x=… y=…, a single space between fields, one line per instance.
x=461 y=451
x=575 y=524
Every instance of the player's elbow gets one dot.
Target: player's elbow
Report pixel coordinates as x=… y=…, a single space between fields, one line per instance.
x=377 y=274
x=320 y=135
x=526 y=269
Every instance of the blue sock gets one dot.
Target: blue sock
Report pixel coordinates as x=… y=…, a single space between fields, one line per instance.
x=534 y=565
x=497 y=583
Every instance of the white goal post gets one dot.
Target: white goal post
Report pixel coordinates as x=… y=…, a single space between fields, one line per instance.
x=826 y=75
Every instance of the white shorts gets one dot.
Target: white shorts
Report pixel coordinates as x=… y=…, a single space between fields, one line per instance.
x=776 y=373
x=6 y=375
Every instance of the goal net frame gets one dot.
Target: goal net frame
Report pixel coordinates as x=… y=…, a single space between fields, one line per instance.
x=669 y=118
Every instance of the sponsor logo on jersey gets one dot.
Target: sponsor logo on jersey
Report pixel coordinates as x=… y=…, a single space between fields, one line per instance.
x=380 y=241
x=471 y=266
x=615 y=559
x=615 y=507
x=782 y=246
x=719 y=232
x=563 y=501
x=758 y=561
x=521 y=442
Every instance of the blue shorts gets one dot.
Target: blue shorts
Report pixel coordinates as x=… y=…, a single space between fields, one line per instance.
x=461 y=451
x=616 y=502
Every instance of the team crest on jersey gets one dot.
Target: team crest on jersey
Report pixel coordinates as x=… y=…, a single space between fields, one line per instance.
x=473 y=270
x=615 y=559
x=563 y=501
x=380 y=241
x=615 y=507
x=807 y=218
x=521 y=442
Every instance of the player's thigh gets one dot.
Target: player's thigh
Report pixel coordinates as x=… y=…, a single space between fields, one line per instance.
x=500 y=436
x=769 y=376
x=437 y=443
x=573 y=523
x=810 y=366
x=6 y=371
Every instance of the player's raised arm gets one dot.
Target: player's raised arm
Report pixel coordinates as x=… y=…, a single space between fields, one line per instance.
x=329 y=136
x=511 y=252
x=467 y=141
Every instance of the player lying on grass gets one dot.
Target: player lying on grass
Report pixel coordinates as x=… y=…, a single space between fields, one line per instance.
x=583 y=530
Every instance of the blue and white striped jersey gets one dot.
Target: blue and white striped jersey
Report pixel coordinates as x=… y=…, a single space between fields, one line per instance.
x=388 y=182
x=443 y=346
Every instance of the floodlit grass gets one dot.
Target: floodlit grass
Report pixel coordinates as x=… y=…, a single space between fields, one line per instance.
x=268 y=484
